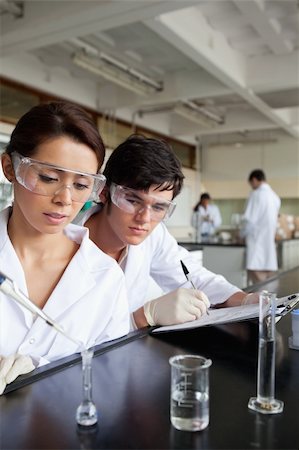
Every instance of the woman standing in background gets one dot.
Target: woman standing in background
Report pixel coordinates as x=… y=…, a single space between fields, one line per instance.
x=206 y=217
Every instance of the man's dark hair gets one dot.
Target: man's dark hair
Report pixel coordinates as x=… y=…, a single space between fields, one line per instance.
x=258 y=174
x=141 y=162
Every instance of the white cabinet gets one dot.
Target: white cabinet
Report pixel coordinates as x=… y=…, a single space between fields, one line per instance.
x=228 y=261
x=289 y=254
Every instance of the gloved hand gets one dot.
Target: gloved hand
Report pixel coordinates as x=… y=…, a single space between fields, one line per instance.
x=12 y=366
x=249 y=299
x=179 y=306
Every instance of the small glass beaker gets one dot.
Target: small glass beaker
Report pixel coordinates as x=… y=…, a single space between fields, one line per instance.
x=189 y=398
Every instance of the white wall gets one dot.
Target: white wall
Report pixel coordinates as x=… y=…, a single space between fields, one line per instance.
x=179 y=224
x=225 y=169
x=224 y=174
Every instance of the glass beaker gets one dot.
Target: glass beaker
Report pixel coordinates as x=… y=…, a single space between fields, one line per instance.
x=189 y=398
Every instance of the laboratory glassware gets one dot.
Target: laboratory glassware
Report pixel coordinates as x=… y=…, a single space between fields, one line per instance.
x=265 y=401
x=86 y=414
x=189 y=397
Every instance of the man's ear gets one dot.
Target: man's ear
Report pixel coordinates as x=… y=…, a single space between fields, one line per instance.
x=104 y=195
x=7 y=167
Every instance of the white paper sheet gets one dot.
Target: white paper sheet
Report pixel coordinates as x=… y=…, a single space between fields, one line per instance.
x=232 y=314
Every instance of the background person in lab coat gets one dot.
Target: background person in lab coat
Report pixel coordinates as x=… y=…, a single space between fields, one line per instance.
x=53 y=159
x=143 y=177
x=260 y=222
x=206 y=217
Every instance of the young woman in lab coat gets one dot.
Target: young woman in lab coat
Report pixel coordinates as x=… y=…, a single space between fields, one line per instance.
x=53 y=160
x=206 y=217
x=143 y=177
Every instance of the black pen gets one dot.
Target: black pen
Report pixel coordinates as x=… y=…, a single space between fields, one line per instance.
x=188 y=277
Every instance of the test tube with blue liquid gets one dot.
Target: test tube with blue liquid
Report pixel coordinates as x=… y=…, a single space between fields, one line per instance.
x=265 y=401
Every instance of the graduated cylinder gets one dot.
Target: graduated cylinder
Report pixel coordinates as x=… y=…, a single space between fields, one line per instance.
x=265 y=401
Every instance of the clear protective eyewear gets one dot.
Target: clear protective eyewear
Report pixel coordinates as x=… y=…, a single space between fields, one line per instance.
x=134 y=202
x=48 y=179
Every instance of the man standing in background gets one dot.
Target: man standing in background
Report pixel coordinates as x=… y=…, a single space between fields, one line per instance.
x=260 y=222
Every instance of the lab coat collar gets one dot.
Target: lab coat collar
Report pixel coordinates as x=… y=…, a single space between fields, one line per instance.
x=134 y=260
x=86 y=264
x=10 y=264
x=84 y=267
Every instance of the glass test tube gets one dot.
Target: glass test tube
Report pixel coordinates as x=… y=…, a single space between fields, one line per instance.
x=265 y=401
x=86 y=414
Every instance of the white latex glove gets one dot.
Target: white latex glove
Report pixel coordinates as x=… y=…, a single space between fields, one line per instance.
x=251 y=298
x=11 y=367
x=179 y=306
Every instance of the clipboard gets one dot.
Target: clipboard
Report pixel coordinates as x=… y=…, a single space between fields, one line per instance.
x=233 y=314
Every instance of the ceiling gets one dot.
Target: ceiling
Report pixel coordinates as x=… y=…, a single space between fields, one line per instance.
x=213 y=70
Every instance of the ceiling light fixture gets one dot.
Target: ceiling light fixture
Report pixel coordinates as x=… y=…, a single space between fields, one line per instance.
x=188 y=111
x=16 y=8
x=224 y=140
x=205 y=112
x=119 y=73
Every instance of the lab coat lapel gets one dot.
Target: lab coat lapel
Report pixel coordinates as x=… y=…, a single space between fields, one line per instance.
x=76 y=281
x=10 y=265
x=134 y=264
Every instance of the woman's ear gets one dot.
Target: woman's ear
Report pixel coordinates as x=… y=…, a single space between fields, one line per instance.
x=7 y=167
x=104 y=195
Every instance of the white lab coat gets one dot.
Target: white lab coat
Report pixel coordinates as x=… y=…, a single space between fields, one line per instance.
x=89 y=301
x=158 y=256
x=202 y=226
x=260 y=222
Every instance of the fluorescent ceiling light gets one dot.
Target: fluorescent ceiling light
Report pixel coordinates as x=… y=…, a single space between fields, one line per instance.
x=113 y=70
x=205 y=112
x=238 y=141
x=14 y=8
x=183 y=109
x=191 y=111
x=189 y=114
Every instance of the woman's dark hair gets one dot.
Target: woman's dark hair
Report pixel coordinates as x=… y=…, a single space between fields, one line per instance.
x=141 y=162
x=204 y=196
x=52 y=120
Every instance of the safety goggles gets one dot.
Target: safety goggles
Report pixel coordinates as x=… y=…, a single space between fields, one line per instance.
x=135 y=201
x=48 y=179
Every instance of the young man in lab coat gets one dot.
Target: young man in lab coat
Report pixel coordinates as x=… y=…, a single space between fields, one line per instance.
x=143 y=178
x=260 y=222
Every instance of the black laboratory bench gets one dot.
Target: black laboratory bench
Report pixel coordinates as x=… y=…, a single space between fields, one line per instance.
x=131 y=386
x=210 y=242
